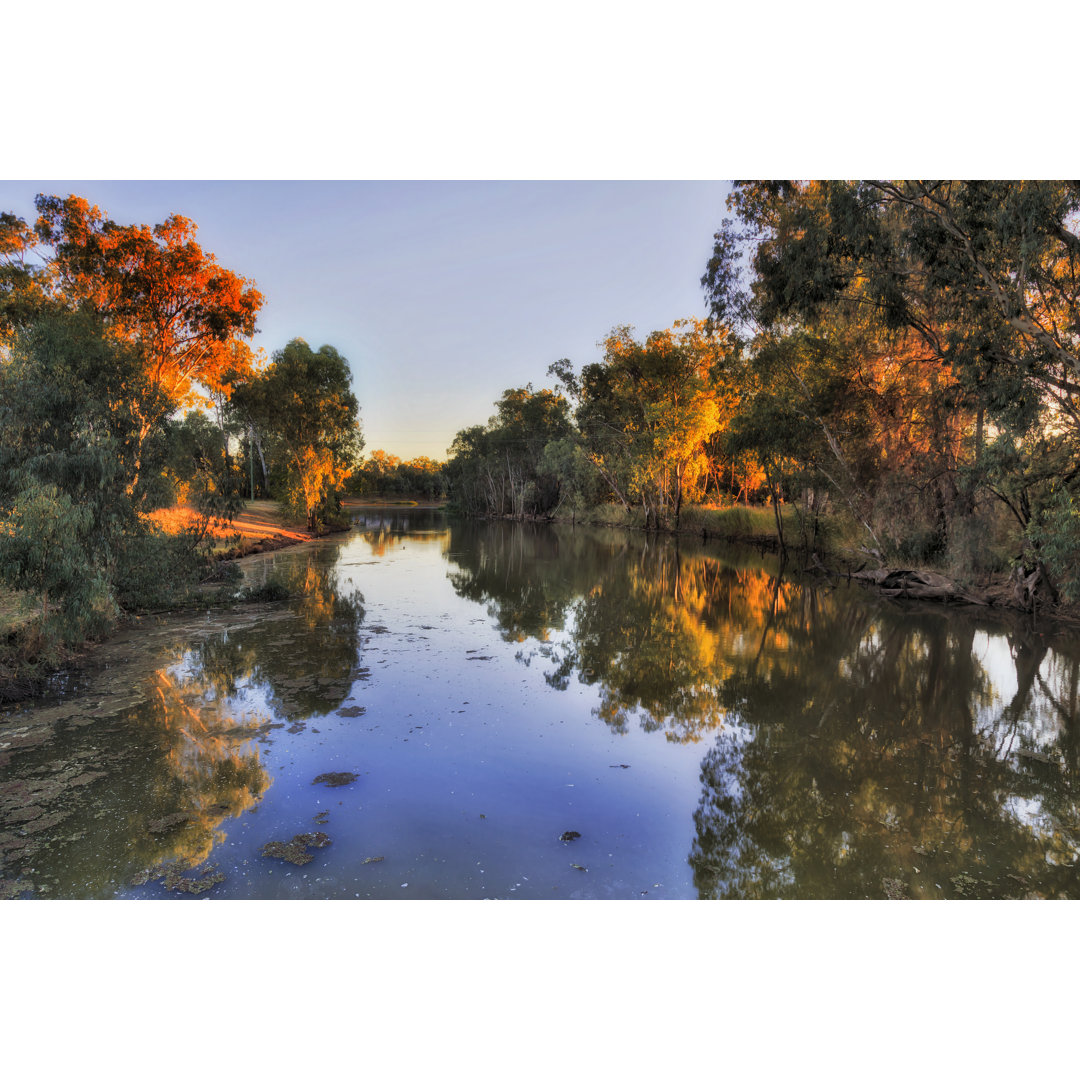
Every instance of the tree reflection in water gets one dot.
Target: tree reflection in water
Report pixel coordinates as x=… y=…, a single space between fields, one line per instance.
x=385 y=528
x=152 y=779
x=311 y=671
x=857 y=750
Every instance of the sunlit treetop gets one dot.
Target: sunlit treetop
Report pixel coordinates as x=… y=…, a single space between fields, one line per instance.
x=154 y=286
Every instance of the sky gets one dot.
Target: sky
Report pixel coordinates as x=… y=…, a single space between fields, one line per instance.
x=441 y=294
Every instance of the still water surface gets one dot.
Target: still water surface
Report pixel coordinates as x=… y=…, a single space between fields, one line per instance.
x=471 y=694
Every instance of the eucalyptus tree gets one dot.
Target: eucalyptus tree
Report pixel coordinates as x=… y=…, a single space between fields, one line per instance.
x=308 y=421
x=74 y=533
x=965 y=295
x=153 y=287
x=501 y=469
x=646 y=412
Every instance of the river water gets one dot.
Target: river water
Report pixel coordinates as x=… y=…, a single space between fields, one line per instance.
x=501 y=711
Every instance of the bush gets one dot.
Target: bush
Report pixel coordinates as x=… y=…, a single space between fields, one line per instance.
x=268 y=592
x=1056 y=538
x=157 y=570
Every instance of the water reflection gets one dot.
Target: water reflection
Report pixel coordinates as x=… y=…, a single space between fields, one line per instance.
x=147 y=778
x=697 y=717
x=854 y=750
x=526 y=577
x=310 y=670
x=384 y=528
x=144 y=772
x=656 y=629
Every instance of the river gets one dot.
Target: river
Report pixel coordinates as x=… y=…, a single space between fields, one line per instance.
x=502 y=711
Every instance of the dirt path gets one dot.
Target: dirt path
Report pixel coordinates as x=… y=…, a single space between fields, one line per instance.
x=259 y=526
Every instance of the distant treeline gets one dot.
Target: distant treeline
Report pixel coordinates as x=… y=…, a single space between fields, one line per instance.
x=384 y=474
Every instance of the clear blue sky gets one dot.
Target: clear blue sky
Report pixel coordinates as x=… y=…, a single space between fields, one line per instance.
x=440 y=294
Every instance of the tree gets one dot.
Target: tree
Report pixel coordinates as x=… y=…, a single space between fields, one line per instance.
x=153 y=287
x=646 y=412
x=73 y=536
x=500 y=470
x=308 y=418
x=378 y=474
x=948 y=311
x=423 y=476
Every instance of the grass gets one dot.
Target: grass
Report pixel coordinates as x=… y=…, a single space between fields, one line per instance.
x=756 y=524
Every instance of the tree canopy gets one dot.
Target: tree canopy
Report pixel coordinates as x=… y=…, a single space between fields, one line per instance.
x=154 y=286
x=646 y=412
x=308 y=419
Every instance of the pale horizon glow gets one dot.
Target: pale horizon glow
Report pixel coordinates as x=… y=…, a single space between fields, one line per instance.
x=440 y=294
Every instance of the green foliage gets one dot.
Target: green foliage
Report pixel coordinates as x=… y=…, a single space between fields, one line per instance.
x=47 y=552
x=915 y=341
x=155 y=570
x=580 y=485
x=269 y=591
x=74 y=537
x=501 y=470
x=1055 y=535
x=383 y=474
x=307 y=419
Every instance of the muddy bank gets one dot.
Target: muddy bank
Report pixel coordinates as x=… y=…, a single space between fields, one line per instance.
x=1012 y=597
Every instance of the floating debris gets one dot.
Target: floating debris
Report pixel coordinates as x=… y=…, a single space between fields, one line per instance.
x=352 y=710
x=174 y=879
x=296 y=850
x=479 y=658
x=336 y=779
x=578 y=866
x=569 y=835
x=894 y=888
x=963 y=884
x=169 y=822
x=9 y=890
x=618 y=766
x=374 y=858
x=321 y=817
x=194 y=886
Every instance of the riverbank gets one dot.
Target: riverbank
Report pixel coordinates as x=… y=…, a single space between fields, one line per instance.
x=838 y=555
x=753 y=524
x=260 y=526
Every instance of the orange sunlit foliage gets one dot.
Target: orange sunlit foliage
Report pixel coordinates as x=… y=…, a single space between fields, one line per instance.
x=424 y=464
x=211 y=769
x=913 y=409
x=155 y=286
x=649 y=410
x=379 y=461
x=318 y=472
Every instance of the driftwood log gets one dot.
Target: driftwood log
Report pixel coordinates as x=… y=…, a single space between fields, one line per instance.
x=920 y=585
